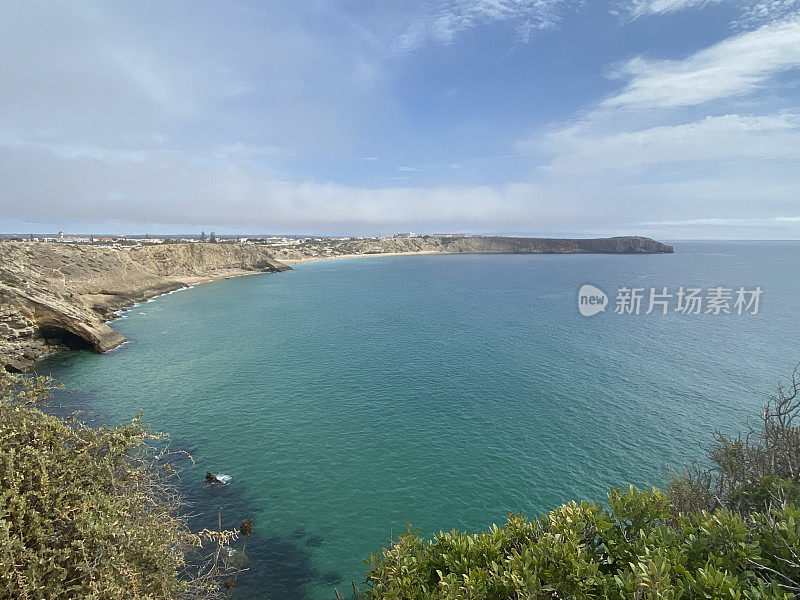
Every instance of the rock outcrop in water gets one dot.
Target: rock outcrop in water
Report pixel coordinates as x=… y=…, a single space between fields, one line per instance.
x=56 y=295
x=61 y=295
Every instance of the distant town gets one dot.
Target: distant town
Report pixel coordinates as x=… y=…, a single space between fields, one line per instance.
x=127 y=241
x=283 y=247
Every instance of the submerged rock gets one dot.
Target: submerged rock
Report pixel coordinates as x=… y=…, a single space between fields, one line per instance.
x=331 y=578
x=217 y=478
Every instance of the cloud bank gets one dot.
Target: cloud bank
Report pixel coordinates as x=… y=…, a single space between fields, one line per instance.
x=246 y=119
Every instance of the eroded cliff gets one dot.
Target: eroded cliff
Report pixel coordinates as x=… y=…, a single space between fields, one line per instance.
x=473 y=245
x=56 y=295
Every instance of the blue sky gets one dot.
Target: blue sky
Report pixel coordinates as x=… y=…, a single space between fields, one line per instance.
x=669 y=118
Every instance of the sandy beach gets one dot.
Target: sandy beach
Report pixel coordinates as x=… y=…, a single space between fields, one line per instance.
x=221 y=275
x=242 y=272
x=296 y=261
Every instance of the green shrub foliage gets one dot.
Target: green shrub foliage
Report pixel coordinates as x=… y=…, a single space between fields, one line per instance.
x=87 y=513
x=727 y=530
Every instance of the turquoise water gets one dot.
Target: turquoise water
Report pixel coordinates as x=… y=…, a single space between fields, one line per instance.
x=346 y=398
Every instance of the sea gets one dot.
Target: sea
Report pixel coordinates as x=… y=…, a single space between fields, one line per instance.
x=347 y=399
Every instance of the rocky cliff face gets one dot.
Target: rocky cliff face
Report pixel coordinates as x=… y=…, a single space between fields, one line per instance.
x=510 y=245
x=57 y=295
x=477 y=245
x=61 y=295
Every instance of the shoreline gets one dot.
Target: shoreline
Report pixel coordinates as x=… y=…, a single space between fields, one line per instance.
x=227 y=274
x=182 y=283
x=298 y=261
x=65 y=295
x=185 y=283
x=47 y=300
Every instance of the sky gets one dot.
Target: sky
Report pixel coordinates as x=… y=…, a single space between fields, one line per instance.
x=675 y=119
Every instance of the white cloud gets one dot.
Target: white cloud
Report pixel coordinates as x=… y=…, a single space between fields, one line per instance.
x=638 y=8
x=581 y=149
x=240 y=150
x=676 y=164
x=724 y=227
x=735 y=66
x=180 y=193
x=753 y=13
x=77 y=150
x=725 y=221
x=168 y=189
x=442 y=21
x=758 y=13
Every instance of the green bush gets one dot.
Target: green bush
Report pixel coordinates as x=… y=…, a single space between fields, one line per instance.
x=634 y=549
x=727 y=530
x=88 y=513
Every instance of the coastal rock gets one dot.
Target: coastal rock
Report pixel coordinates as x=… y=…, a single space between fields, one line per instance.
x=217 y=478
x=474 y=245
x=19 y=365
x=56 y=295
x=511 y=245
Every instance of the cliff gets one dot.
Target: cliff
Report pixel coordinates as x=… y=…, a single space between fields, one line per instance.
x=61 y=295
x=510 y=245
x=473 y=245
x=55 y=295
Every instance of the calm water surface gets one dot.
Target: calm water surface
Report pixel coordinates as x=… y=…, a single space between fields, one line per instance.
x=346 y=398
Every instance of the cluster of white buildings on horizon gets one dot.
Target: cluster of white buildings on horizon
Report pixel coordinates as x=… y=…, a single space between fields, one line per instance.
x=273 y=240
